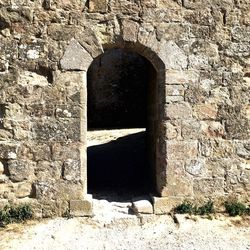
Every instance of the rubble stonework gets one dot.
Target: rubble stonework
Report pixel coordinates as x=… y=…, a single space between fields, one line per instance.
x=201 y=53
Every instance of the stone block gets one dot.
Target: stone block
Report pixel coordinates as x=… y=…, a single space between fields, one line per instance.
x=196 y=167
x=179 y=181
x=130 y=30
x=5 y=135
x=8 y=150
x=20 y=170
x=178 y=111
x=170 y=99
x=181 y=77
x=243 y=150
x=81 y=208
x=41 y=152
x=23 y=190
x=4 y=178
x=41 y=110
x=173 y=56
x=27 y=78
x=57 y=130
x=174 y=90
x=190 y=129
x=209 y=187
x=72 y=170
x=142 y=205
x=180 y=150
x=75 y=57
x=206 y=111
x=61 y=152
x=71 y=82
x=212 y=129
x=171 y=130
x=46 y=170
x=164 y=205
x=98 y=6
x=1 y=168
x=241 y=34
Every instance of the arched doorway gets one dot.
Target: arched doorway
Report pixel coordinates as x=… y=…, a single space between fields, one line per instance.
x=121 y=115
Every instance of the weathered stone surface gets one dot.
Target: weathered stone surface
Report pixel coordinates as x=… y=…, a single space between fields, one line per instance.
x=182 y=149
x=173 y=56
x=5 y=135
x=197 y=76
x=175 y=90
x=57 y=130
x=23 y=190
x=142 y=205
x=172 y=130
x=181 y=77
x=46 y=170
x=71 y=170
x=82 y=207
x=98 y=6
x=8 y=150
x=243 y=150
x=1 y=168
x=196 y=167
x=61 y=152
x=130 y=30
x=32 y=79
x=164 y=205
x=206 y=111
x=209 y=187
x=179 y=182
x=75 y=57
x=20 y=170
x=191 y=129
x=178 y=111
x=212 y=129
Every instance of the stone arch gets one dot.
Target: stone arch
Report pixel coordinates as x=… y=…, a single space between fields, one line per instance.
x=170 y=64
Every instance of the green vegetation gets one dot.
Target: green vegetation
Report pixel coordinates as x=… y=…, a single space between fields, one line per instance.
x=184 y=208
x=207 y=208
x=67 y=214
x=188 y=207
x=17 y=214
x=234 y=208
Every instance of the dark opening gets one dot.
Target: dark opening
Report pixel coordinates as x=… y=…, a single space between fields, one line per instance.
x=120 y=122
x=2 y=114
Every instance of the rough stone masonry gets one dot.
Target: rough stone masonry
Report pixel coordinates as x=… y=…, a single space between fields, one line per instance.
x=201 y=53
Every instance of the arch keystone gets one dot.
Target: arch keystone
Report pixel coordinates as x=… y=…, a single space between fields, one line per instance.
x=75 y=57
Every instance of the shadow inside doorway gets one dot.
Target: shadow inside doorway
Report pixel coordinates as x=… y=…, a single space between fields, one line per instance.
x=119 y=169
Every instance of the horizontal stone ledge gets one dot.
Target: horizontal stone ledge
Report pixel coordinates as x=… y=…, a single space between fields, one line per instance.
x=175 y=98
x=181 y=77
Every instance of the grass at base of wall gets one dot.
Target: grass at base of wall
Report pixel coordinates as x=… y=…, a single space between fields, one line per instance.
x=232 y=207
x=188 y=208
x=15 y=214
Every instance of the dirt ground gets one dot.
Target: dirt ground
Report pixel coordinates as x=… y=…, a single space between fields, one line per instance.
x=113 y=228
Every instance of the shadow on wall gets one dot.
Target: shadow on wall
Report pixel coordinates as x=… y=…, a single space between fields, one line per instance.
x=119 y=164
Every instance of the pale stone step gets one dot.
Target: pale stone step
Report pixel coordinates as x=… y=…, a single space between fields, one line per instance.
x=142 y=205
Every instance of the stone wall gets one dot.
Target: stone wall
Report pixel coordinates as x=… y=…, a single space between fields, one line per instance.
x=201 y=52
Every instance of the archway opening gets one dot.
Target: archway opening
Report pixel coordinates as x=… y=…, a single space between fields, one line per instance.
x=121 y=109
